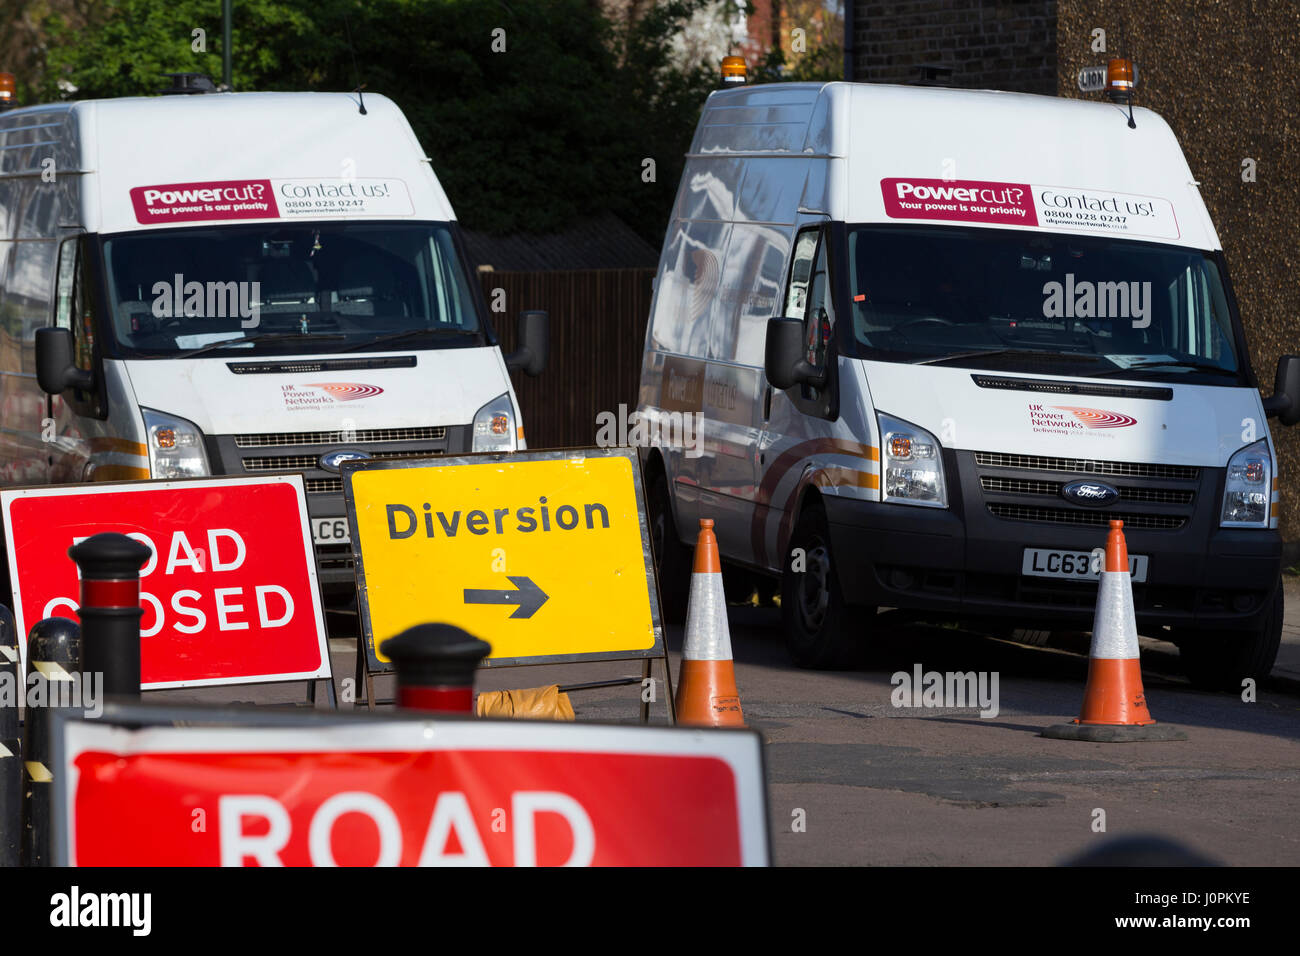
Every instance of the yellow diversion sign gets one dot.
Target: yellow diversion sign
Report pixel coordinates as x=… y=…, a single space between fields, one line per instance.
x=545 y=555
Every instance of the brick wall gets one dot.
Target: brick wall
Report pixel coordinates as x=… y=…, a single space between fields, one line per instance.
x=989 y=44
x=1223 y=76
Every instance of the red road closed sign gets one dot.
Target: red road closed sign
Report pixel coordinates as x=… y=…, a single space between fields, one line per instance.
x=409 y=793
x=229 y=595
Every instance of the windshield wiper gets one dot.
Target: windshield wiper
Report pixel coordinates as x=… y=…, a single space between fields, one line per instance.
x=1066 y=356
x=1174 y=363
x=405 y=333
x=262 y=337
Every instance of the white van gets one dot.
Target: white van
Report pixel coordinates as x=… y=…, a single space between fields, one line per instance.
x=938 y=340
x=234 y=284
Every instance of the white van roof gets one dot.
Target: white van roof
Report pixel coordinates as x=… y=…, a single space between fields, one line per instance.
x=314 y=142
x=938 y=154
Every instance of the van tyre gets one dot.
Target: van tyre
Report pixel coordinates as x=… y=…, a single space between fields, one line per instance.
x=672 y=560
x=1221 y=660
x=812 y=604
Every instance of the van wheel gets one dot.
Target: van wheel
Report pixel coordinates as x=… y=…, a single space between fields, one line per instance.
x=1221 y=660
x=672 y=562
x=812 y=605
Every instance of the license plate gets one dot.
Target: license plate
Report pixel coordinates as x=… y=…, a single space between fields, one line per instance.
x=1074 y=565
x=330 y=531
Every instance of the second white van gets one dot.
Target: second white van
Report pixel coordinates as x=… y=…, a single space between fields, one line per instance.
x=938 y=339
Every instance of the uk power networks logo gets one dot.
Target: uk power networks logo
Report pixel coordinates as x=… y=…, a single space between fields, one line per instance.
x=1098 y=418
x=321 y=394
x=348 y=391
x=1074 y=420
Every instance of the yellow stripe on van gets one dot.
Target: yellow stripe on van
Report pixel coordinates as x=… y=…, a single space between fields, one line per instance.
x=123 y=445
x=833 y=476
x=117 y=473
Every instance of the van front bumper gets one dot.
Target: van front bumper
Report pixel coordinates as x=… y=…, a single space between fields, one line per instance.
x=965 y=561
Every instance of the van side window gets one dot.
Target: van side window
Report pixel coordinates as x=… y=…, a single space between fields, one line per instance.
x=818 y=319
x=808 y=298
x=66 y=282
x=805 y=251
x=73 y=304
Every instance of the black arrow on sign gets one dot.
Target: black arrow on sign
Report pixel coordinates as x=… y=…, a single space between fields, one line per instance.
x=528 y=596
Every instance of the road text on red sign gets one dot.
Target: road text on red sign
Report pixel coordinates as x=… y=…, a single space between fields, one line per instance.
x=366 y=793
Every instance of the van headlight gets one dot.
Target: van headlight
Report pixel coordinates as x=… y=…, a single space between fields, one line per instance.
x=494 y=426
x=175 y=446
x=911 y=465
x=1248 y=490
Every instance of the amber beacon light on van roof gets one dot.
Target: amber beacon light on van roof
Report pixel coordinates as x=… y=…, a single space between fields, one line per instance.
x=8 y=91
x=734 y=71
x=1118 y=79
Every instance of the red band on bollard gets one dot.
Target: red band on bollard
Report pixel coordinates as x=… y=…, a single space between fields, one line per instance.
x=110 y=593
x=446 y=700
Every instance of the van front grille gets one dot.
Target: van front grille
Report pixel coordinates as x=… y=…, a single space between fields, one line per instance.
x=1086 y=466
x=1082 y=518
x=1029 y=486
x=354 y=437
x=324 y=486
x=303 y=462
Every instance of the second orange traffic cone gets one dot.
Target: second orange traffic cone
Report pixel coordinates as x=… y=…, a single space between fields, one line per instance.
x=1114 y=701
x=706 y=683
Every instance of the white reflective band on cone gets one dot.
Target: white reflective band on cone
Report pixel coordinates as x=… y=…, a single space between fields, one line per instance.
x=1114 y=628
x=707 y=636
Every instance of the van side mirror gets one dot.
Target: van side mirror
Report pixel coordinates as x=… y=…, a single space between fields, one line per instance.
x=1285 y=400
x=55 y=369
x=534 y=343
x=783 y=359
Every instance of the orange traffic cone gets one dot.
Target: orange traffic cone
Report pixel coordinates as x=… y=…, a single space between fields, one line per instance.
x=706 y=683
x=1114 y=703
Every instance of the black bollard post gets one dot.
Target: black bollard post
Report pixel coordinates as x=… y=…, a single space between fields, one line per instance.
x=110 y=609
x=11 y=759
x=435 y=667
x=53 y=658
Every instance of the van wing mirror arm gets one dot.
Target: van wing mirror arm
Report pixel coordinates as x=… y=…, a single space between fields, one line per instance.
x=1276 y=404
x=806 y=373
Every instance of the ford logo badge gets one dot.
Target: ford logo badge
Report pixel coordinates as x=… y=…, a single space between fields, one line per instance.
x=330 y=461
x=1091 y=493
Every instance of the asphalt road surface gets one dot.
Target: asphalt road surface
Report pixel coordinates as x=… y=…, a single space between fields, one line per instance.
x=854 y=780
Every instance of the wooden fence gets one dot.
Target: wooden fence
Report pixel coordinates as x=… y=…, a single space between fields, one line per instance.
x=598 y=321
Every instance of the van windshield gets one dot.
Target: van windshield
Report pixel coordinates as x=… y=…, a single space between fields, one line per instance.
x=1061 y=304
x=278 y=288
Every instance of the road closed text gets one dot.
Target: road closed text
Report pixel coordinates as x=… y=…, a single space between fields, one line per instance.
x=190 y=610
x=228 y=592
